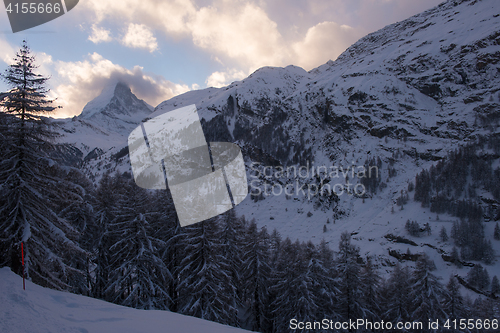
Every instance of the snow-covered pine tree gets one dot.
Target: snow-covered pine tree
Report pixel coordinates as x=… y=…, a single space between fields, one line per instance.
x=443 y=235
x=97 y=239
x=454 y=232
x=426 y=293
x=165 y=227
x=478 y=277
x=325 y=285
x=173 y=255
x=349 y=283
x=488 y=253
x=453 y=302
x=29 y=194
x=275 y=253
x=274 y=246
x=138 y=276
x=256 y=273
x=293 y=287
x=308 y=284
x=484 y=308
x=496 y=232
x=397 y=295
x=203 y=274
x=454 y=257
x=495 y=286
x=232 y=240
x=76 y=208
x=370 y=287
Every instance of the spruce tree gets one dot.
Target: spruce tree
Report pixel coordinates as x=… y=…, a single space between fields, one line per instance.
x=370 y=286
x=32 y=193
x=327 y=291
x=455 y=258
x=397 y=295
x=496 y=233
x=291 y=287
x=495 y=286
x=97 y=239
x=256 y=274
x=454 y=232
x=232 y=234
x=166 y=228
x=203 y=273
x=478 y=277
x=138 y=275
x=349 y=283
x=427 y=292
x=77 y=209
x=453 y=302
x=443 y=235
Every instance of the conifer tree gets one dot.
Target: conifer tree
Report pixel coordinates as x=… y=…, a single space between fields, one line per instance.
x=478 y=277
x=77 y=209
x=203 y=273
x=166 y=228
x=397 y=295
x=97 y=238
x=274 y=246
x=291 y=286
x=427 y=292
x=138 y=276
x=349 y=284
x=256 y=274
x=455 y=258
x=443 y=235
x=31 y=193
x=453 y=303
x=327 y=288
x=370 y=287
x=495 y=286
x=232 y=233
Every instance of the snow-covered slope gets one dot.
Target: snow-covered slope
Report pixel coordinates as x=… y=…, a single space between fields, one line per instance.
x=406 y=94
x=38 y=309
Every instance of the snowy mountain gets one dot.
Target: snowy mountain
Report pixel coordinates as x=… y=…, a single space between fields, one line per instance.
x=104 y=124
x=116 y=102
x=405 y=95
x=39 y=308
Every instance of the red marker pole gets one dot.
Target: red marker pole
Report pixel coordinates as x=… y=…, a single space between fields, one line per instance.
x=22 y=255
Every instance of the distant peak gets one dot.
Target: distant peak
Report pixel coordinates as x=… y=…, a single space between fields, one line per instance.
x=122 y=87
x=115 y=98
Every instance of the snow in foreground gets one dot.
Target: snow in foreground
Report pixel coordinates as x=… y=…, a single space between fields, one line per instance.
x=38 y=309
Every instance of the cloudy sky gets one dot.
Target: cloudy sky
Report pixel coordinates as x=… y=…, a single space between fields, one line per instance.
x=162 y=48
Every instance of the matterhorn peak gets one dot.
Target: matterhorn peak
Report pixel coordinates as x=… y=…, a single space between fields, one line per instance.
x=116 y=108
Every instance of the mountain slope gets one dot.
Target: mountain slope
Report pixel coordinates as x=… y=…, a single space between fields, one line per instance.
x=39 y=309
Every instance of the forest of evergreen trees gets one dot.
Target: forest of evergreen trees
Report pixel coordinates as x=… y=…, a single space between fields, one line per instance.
x=228 y=270
x=452 y=185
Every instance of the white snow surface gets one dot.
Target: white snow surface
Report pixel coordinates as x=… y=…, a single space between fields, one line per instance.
x=99 y=103
x=41 y=310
